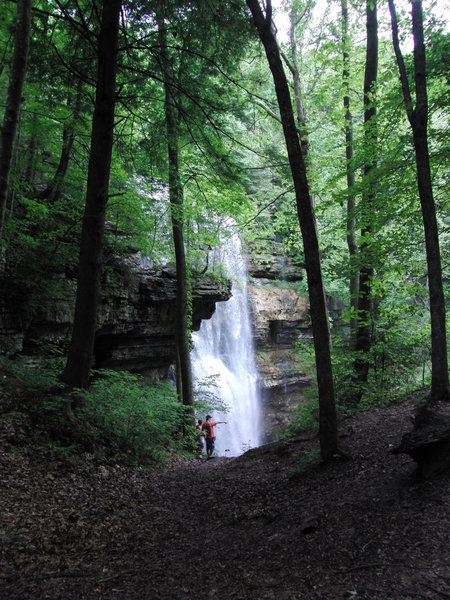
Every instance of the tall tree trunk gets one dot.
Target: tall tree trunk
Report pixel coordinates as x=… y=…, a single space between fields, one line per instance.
x=363 y=332
x=418 y=119
x=176 y=203
x=14 y=99
x=76 y=372
x=295 y=70
x=319 y=318
x=351 y=205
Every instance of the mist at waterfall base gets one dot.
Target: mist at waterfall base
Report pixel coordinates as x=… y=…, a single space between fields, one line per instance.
x=224 y=354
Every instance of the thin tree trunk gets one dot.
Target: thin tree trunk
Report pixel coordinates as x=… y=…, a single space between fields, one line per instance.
x=5 y=52
x=53 y=190
x=295 y=70
x=31 y=149
x=14 y=99
x=363 y=332
x=418 y=119
x=176 y=203
x=77 y=370
x=351 y=204
x=14 y=167
x=31 y=159
x=319 y=318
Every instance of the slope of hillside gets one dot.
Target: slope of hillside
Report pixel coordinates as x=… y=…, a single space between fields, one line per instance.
x=270 y=524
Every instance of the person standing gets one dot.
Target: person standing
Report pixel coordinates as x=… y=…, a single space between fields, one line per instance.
x=200 y=438
x=208 y=428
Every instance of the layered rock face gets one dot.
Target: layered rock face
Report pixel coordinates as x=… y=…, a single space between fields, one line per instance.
x=137 y=320
x=136 y=317
x=280 y=317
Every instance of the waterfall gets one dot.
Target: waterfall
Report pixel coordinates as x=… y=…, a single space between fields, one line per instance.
x=223 y=353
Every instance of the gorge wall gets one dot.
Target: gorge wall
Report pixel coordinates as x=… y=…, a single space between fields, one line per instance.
x=136 y=318
x=136 y=323
x=280 y=316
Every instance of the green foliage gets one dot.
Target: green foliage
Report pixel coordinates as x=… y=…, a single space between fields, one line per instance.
x=138 y=217
x=305 y=460
x=207 y=397
x=217 y=273
x=119 y=418
x=232 y=164
x=146 y=420
x=35 y=376
x=305 y=418
x=399 y=357
x=7 y=16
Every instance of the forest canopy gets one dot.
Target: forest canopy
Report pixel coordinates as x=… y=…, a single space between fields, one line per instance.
x=197 y=138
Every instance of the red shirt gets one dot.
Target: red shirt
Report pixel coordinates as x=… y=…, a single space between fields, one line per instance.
x=209 y=428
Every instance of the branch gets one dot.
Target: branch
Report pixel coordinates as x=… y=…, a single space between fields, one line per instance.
x=288 y=62
x=82 y=27
x=71 y=69
x=304 y=13
x=400 y=62
x=288 y=191
x=268 y=111
x=208 y=59
x=196 y=103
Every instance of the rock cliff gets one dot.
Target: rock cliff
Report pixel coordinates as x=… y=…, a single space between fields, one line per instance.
x=135 y=320
x=280 y=316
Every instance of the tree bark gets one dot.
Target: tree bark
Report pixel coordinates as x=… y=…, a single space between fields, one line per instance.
x=77 y=370
x=31 y=151
x=53 y=190
x=14 y=99
x=418 y=119
x=363 y=339
x=319 y=317
x=298 y=96
x=186 y=393
x=350 y=172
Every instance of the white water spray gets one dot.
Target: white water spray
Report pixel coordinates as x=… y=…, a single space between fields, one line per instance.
x=223 y=350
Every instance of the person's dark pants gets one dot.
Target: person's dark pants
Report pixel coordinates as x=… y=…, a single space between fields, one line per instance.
x=210 y=446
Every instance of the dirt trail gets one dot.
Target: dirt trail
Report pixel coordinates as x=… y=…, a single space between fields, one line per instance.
x=256 y=527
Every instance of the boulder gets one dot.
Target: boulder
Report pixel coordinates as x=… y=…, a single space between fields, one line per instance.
x=428 y=443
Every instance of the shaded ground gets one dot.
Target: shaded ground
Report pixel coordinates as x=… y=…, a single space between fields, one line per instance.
x=258 y=527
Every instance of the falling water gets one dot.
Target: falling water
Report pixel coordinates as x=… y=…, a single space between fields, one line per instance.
x=223 y=351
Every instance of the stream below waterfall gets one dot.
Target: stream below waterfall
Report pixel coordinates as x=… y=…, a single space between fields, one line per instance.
x=223 y=360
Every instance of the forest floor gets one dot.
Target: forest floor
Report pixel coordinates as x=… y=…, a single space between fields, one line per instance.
x=272 y=523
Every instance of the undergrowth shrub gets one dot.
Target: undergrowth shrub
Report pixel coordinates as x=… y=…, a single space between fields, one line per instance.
x=399 y=364
x=146 y=420
x=305 y=417
x=34 y=375
x=304 y=461
x=117 y=417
